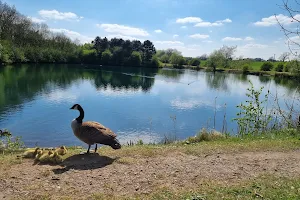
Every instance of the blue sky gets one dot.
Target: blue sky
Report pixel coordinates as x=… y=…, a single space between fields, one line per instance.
x=194 y=27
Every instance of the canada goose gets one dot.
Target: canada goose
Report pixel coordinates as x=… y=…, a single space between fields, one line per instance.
x=92 y=132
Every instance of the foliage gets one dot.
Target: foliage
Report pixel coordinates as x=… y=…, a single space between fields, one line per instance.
x=279 y=67
x=294 y=67
x=194 y=62
x=245 y=68
x=22 y=40
x=10 y=143
x=251 y=119
x=136 y=58
x=266 y=66
x=106 y=57
x=177 y=60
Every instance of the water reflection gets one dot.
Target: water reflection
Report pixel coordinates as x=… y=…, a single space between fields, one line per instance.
x=122 y=98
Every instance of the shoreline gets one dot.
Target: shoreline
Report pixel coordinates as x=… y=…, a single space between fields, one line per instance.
x=221 y=70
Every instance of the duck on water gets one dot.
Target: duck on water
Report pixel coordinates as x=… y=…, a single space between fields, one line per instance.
x=91 y=132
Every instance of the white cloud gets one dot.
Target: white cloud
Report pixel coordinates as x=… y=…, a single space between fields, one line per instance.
x=36 y=20
x=158 y=31
x=175 y=36
x=183 y=27
x=188 y=20
x=249 y=38
x=207 y=41
x=56 y=15
x=124 y=37
x=224 y=21
x=254 y=45
x=208 y=24
x=124 y=30
x=169 y=42
x=271 y=21
x=231 y=39
x=199 y=36
x=73 y=35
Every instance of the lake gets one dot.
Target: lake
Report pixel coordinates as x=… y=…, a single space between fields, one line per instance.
x=136 y=103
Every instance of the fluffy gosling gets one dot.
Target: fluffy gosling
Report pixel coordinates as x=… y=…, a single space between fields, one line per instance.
x=61 y=150
x=30 y=153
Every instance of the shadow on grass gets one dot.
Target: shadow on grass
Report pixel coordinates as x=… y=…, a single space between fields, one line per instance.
x=84 y=162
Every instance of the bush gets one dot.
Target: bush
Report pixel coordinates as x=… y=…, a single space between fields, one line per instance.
x=155 y=62
x=245 y=69
x=267 y=66
x=195 y=62
x=279 y=68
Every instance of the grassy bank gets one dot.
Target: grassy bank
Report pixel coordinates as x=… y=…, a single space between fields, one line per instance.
x=135 y=161
x=254 y=68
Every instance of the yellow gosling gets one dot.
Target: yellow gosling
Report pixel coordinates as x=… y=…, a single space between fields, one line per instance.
x=61 y=150
x=30 y=153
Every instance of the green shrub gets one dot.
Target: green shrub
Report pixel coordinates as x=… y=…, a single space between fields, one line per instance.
x=267 y=66
x=195 y=62
x=279 y=68
x=245 y=69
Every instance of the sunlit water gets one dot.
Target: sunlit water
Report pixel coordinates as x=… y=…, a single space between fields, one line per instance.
x=136 y=103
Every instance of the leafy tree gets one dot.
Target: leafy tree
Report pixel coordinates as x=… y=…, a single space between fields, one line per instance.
x=106 y=57
x=177 y=60
x=136 y=58
x=148 y=51
x=195 y=62
x=267 y=66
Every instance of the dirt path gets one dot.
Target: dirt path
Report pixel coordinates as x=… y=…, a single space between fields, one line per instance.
x=84 y=175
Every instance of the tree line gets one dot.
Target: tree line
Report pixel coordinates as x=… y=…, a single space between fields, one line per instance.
x=23 y=41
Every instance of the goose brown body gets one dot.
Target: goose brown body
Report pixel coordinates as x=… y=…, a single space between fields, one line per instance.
x=91 y=132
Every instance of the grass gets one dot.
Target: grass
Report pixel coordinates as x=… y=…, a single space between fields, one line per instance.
x=264 y=187
x=254 y=68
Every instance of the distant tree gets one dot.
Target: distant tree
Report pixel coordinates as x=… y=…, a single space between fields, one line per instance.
x=177 y=60
x=106 y=57
x=148 y=51
x=165 y=58
x=215 y=59
x=284 y=56
x=137 y=45
x=194 y=62
x=136 y=58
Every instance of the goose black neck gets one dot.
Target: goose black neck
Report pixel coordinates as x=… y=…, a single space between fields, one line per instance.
x=81 y=116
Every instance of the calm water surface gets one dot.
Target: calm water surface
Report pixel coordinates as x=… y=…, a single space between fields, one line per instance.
x=136 y=103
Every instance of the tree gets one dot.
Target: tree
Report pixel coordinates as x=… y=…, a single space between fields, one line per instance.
x=292 y=34
x=216 y=58
x=284 y=56
x=177 y=60
x=135 y=58
x=148 y=51
x=194 y=62
x=227 y=53
x=106 y=57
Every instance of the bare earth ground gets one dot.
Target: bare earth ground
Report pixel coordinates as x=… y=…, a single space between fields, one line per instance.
x=81 y=176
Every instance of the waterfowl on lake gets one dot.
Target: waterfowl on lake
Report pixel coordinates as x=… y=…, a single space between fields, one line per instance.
x=92 y=132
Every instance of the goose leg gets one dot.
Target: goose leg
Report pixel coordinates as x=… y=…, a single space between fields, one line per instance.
x=88 y=151
x=96 y=148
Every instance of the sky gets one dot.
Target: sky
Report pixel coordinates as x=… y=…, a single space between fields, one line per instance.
x=194 y=27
